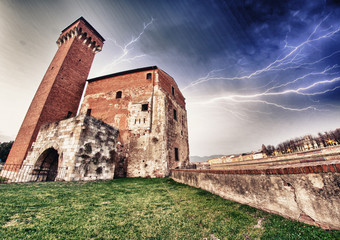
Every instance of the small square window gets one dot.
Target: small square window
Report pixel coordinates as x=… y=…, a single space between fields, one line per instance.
x=145 y=107
x=119 y=94
x=88 y=112
x=175 y=114
x=176 y=154
x=69 y=114
x=148 y=76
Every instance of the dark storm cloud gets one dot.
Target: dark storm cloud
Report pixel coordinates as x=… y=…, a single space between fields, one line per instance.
x=199 y=32
x=211 y=40
x=254 y=31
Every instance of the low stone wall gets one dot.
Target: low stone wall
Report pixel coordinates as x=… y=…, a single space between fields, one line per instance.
x=310 y=194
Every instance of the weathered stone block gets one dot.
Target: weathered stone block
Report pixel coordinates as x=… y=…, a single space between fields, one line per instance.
x=86 y=159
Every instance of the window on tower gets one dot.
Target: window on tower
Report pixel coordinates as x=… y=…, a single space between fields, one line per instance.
x=148 y=76
x=69 y=114
x=119 y=94
x=176 y=154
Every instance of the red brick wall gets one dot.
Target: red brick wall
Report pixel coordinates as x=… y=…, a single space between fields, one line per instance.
x=100 y=97
x=166 y=83
x=59 y=92
x=140 y=140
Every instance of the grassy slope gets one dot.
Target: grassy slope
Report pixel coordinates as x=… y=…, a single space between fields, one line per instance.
x=136 y=209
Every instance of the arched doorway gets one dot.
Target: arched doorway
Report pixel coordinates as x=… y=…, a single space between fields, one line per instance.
x=46 y=167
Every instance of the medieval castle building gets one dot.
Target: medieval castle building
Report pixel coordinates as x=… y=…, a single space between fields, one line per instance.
x=131 y=123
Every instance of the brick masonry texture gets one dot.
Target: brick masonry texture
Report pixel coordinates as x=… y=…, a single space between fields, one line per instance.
x=145 y=105
x=61 y=88
x=333 y=166
x=148 y=137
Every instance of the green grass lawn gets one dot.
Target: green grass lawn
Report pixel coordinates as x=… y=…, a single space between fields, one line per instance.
x=136 y=209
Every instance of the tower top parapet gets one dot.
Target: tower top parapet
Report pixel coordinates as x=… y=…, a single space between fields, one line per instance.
x=81 y=29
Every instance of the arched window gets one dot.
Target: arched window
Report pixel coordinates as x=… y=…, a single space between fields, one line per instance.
x=148 y=76
x=119 y=94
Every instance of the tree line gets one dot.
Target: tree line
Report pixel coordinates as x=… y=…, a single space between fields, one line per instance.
x=5 y=147
x=307 y=142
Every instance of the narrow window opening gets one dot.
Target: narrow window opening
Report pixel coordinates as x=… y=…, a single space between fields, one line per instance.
x=148 y=76
x=119 y=94
x=139 y=120
x=145 y=107
x=144 y=120
x=69 y=114
x=88 y=113
x=173 y=91
x=135 y=121
x=176 y=154
x=175 y=114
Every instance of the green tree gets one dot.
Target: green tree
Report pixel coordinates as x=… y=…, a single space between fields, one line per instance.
x=5 y=147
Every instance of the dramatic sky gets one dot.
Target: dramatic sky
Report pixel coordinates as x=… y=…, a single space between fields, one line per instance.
x=253 y=71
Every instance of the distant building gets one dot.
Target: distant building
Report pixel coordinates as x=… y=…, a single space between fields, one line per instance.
x=259 y=155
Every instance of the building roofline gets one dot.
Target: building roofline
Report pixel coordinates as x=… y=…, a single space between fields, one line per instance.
x=123 y=73
x=88 y=25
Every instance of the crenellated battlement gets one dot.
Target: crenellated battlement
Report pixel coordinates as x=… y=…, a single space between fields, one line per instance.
x=60 y=91
x=79 y=34
x=83 y=31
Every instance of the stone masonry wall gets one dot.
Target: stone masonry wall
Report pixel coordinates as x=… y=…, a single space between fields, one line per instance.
x=146 y=135
x=309 y=194
x=86 y=147
x=176 y=126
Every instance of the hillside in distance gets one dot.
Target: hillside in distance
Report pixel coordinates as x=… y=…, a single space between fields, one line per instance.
x=203 y=159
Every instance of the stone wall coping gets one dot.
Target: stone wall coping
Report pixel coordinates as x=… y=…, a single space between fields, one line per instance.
x=301 y=168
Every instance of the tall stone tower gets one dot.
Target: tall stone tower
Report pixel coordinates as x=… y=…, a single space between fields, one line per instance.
x=60 y=90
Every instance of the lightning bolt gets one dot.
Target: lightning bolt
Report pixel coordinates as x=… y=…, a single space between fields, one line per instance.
x=127 y=48
x=303 y=85
x=282 y=63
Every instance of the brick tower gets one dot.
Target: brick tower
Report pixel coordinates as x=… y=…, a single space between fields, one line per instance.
x=60 y=90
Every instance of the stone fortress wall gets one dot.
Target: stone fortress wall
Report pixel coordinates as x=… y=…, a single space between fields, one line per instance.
x=308 y=192
x=149 y=111
x=145 y=106
x=85 y=149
